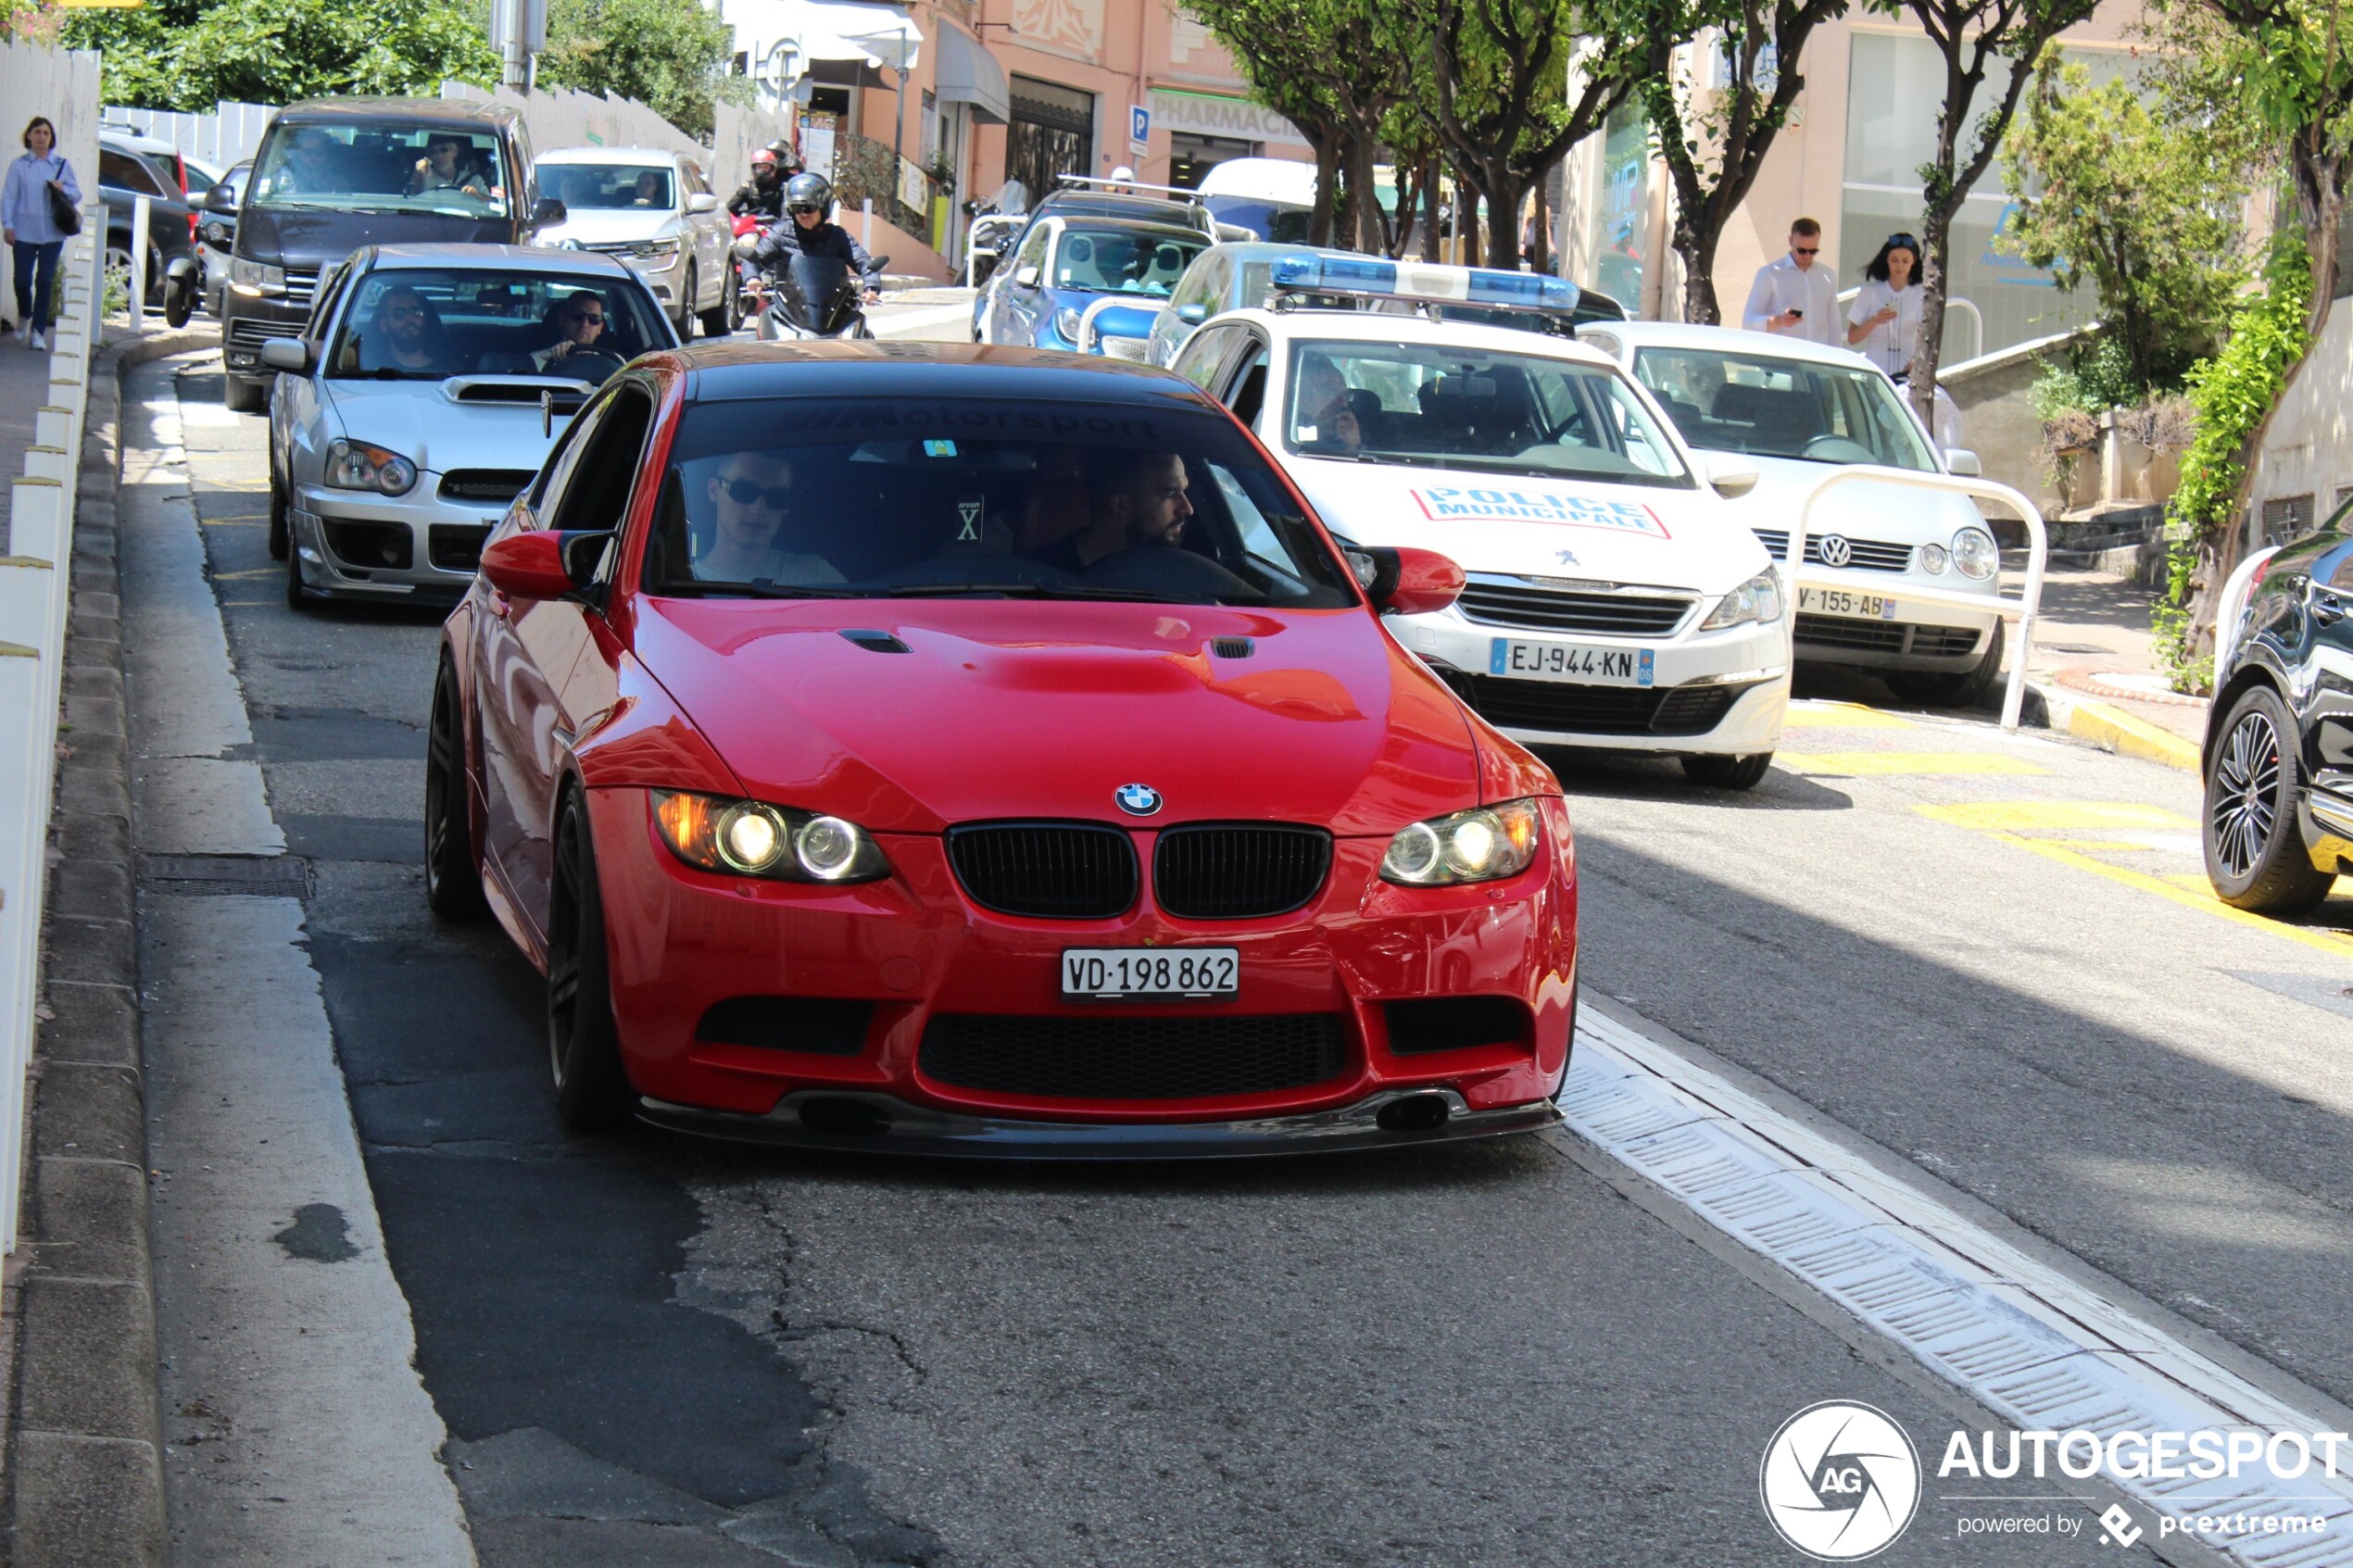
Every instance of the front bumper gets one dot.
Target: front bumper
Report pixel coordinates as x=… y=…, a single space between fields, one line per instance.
x=1709 y=693
x=878 y=1123
x=246 y=322
x=1901 y=636
x=354 y=544
x=902 y=954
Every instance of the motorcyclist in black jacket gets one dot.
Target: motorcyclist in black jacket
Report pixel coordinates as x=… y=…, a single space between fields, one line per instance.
x=761 y=196
x=807 y=200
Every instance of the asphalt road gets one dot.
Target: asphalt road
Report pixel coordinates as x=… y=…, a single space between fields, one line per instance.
x=1980 y=953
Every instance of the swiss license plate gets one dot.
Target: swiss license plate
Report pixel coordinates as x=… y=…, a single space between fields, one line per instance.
x=1841 y=601
x=1118 y=974
x=1583 y=663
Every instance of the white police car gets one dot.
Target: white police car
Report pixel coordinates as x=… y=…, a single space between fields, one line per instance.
x=1616 y=599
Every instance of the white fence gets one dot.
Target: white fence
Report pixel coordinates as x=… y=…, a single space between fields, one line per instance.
x=560 y=117
x=35 y=577
x=738 y=133
x=224 y=138
x=62 y=84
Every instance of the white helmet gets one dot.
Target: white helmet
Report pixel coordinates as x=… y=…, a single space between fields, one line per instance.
x=1122 y=172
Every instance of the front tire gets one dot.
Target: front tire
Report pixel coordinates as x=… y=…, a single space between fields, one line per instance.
x=1967 y=689
x=686 y=322
x=720 y=320
x=1729 y=772
x=453 y=875
x=583 y=1042
x=279 y=521
x=298 y=592
x=2254 y=852
x=243 y=396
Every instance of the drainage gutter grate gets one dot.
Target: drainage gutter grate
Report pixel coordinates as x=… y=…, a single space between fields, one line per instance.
x=231 y=876
x=2023 y=1339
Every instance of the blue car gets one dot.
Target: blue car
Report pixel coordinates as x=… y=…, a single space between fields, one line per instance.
x=1040 y=296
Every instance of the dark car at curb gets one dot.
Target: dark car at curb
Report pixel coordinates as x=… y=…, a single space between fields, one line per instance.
x=363 y=156
x=2278 y=758
x=131 y=166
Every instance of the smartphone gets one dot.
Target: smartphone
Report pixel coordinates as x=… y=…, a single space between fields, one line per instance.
x=1799 y=314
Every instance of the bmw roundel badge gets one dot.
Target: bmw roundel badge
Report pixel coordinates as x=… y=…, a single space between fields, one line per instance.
x=1137 y=800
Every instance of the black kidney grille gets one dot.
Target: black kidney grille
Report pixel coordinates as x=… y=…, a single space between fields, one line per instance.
x=1116 y=1057
x=1051 y=870
x=1236 y=871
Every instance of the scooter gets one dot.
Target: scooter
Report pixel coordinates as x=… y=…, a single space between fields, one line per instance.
x=813 y=296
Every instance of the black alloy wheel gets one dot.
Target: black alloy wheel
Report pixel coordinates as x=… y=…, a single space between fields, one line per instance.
x=1729 y=772
x=583 y=1042
x=453 y=875
x=1967 y=689
x=2254 y=852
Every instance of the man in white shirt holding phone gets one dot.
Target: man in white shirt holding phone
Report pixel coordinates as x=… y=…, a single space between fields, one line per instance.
x=1797 y=294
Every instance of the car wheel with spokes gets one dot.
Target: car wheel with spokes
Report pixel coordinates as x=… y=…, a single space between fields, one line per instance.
x=453 y=876
x=583 y=1041
x=2254 y=853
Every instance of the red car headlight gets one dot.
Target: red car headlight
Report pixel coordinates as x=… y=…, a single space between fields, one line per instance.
x=753 y=838
x=1484 y=843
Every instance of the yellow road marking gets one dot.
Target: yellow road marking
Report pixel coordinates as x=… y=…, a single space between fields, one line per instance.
x=2058 y=816
x=2173 y=889
x=1843 y=716
x=1861 y=763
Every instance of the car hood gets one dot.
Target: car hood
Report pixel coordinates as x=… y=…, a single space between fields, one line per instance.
x=1864 y=509
x=593 y=226
x=287 y=236
x=1017 y=709
x=1528 y=527
x=424 y=422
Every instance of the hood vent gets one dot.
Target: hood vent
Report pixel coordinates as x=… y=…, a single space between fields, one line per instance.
x=1232 y=648
x=877 y=642
x=567 y=396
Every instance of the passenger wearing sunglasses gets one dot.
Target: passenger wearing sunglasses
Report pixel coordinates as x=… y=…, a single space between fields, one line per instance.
x=403 y=337
x=1796 y=295
x=1884 y=322
x=579 y=320
x=751 y=496
x=807 y=200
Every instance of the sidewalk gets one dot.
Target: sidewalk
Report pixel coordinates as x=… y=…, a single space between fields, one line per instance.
x=2093 y=661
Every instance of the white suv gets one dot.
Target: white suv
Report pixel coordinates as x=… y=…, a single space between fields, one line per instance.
x=655 y=211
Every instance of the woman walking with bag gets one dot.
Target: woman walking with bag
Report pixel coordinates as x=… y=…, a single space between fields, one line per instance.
x=40 y=205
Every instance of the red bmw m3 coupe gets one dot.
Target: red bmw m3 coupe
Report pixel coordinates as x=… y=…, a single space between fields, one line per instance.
x=978 y=750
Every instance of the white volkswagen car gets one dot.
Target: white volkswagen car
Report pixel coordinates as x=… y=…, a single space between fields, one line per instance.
x=655 y=211
x=1797 y=410
x=1615 y=598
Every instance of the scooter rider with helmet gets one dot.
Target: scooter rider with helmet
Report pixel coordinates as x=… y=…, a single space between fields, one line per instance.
x=807 y=198
x=761 y=196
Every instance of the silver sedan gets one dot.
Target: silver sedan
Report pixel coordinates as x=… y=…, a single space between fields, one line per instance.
x=425 y=393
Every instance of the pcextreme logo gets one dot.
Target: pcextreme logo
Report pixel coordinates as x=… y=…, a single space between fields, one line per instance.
x=1839 y=1481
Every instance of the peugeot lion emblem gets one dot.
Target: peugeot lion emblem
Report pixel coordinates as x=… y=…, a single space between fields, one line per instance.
x=1137 y=800
x=1836 y=551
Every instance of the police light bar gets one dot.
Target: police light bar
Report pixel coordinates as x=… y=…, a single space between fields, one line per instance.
x=1371 y=277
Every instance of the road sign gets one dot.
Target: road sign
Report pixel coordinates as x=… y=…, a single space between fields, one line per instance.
x=1140 y=128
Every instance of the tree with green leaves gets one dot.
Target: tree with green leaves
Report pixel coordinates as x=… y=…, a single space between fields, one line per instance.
x=2144 y=209
x=2002 y=40
x=670 y=56
x=189 y=54
x=1713 y=142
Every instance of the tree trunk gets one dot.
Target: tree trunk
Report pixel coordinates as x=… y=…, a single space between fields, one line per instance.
x=1698 y=252
x=1504 y=195
x=1430 y=175
x=1319 y=217
x=1936 y=239
x=1372 y=232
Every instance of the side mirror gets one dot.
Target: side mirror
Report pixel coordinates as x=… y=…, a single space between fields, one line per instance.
x=222 y=199
x=1731 y=477
x=880 y=262
x=288 y=354
x=1192 y=315
x=1027 y=275
x=547 y=214
x=703 y=201
x=1405 y=581
x=1961 y=461
x=543 y=564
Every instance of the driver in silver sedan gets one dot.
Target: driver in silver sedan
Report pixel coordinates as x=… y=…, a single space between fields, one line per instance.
x=580 y=324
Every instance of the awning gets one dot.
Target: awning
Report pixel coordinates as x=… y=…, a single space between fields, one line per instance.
x=970 y=74
x=878 y=36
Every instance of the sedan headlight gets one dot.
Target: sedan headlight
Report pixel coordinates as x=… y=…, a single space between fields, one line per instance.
x=1481 y=845
x=1758 y=600
x=1066 y=323
x=1975 y=553
x=654 y=250
x=256 y=279
x=753 y=838
x=355 y=464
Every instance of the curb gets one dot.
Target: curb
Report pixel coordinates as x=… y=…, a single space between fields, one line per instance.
x=2112 y=729
x=85 y=1451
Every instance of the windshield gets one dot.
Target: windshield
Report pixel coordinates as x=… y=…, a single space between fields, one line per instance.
x=947 y=497
x=1122 y=261
x=390 y=168
x=1495 y=413
x=1774 y=407
x=424 y=324
x=600 y=187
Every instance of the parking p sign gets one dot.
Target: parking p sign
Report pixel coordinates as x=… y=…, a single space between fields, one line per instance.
x=1140 y=128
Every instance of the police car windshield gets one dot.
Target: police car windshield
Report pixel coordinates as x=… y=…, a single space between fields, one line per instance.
x=956 y=497
x=1422 y=405
x=1775 y=407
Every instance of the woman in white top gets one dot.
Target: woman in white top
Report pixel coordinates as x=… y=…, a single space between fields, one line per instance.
x=1885 y=320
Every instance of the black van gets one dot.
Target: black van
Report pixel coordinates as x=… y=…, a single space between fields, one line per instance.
x=338 y=173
